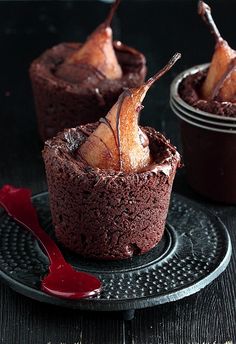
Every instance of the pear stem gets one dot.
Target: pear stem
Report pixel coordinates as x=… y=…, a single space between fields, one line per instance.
x=165 y=69
x=110 y=16
x=205 y=12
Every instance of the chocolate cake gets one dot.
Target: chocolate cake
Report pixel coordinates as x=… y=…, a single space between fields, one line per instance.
x=77 y=83
x=68 y=95
x=107 y=214
x=190 y=92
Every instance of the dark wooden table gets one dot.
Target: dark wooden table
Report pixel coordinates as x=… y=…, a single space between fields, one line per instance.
x=158 y=28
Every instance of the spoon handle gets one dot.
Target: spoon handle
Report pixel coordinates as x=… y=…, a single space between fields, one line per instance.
x=17 y=203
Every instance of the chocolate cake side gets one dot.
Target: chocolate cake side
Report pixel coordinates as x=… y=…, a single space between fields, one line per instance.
x=106 y=214
x=63 y=103
x=189 y=91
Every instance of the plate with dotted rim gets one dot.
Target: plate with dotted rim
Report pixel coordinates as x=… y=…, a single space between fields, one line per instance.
x=194 y=250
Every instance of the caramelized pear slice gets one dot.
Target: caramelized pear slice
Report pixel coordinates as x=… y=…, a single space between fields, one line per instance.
x=118 y=143
x=98 y=50
x=220 y=81
x=227 y=92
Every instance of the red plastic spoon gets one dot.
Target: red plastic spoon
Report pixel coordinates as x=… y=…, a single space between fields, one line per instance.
x=62 y=280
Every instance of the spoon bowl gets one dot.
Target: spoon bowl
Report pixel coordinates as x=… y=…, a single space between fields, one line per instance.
x=68 y=283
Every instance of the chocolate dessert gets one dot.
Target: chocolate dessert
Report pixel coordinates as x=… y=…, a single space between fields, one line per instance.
x=209 y=135
x=189 y=91
x=110 y=182
x=213 y=90
x=78 y=83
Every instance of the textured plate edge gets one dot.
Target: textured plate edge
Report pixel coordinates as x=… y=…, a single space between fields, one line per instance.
x=120 y=305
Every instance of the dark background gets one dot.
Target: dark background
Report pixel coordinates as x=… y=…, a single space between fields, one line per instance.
x=158 y=29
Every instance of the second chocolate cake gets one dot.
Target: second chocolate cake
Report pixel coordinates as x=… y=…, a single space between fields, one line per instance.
x=78 y=83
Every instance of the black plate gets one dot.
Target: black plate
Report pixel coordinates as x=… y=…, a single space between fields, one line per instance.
x=195 y=249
